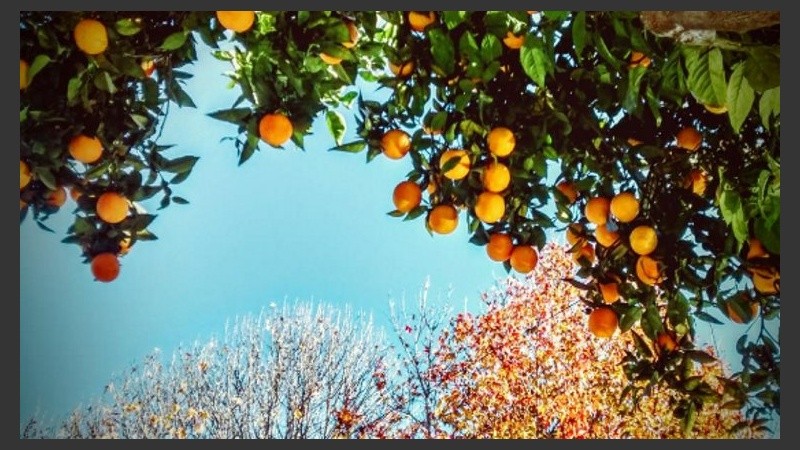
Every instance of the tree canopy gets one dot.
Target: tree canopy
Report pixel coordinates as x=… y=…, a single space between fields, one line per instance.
x=667 y=151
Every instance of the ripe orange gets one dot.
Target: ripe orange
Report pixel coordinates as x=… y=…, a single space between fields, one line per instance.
x=597 y=209
x=85 y=149
x=105 y=267
x=603 y=322
x=112 y=207
x=443 y=219
x=461 y=169
x=431 y=187
x=639 y=59
x=395 y=144
x=610 y=292
x=402 y=69
x=496 y=177
x=24 y=174
x=501 y=141
x=666 y=342
x=766 y=280
x=625 y=207
x=490 y=207
x=353 y=30
x=755 y=249
x=754 y=310
x=689 y=139
x=91 y=36
x=75 y=193
x=575 y=233
x=643 y=240
x=604 y=237
x=238 y=21
x=407 y=196
x=499 y=247
x=148 y=66
x=524 y=258
x=23 y=74
x=513 y=41
x=633 y=142
x=328 y=59
x=648 y=270
x=57 y=198
x=716 y=109
x=275 y=129
x=585 y=251
x=419 y=20
x=696 y=180
x=568 y=189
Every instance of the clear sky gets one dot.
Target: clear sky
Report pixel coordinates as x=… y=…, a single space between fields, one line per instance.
x=286 y=225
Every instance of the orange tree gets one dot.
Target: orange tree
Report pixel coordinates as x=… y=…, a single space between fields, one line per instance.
x=614 y=127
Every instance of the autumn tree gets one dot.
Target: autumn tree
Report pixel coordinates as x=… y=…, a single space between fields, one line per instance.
x=297 y=371
x=661 y=152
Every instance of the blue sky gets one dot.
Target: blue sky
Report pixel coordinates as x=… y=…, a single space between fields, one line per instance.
x=286 y=225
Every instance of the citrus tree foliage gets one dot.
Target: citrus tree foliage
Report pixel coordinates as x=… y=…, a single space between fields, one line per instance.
x=300 y=371
x=692 y=132
x=528 y=367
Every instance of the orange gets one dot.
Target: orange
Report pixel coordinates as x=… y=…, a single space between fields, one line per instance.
x=754 y=310
x=755 y=249
x=689 y=139
x=353 y=30
x=75 y=193
x=639 y=59
x=513 y=41
x=419 y=20
x=604 y=237
x=275 y=129
x=716 y=109
x=85 y=149
x=105 y=267
x=22 y=204
x=431 y=187
x=148 y=66
x=666 y=342
x=501 y=141
x=633 y=142
x=443 y=219
x=461 y=169
x=125 y=246
x=766 y=281
x=407 y=196
x=648 y=270
x=91 y=36
x=24 y=174
x=597 y=209
x=575 y=233
x=403 y=69
x=496 y=177
x=696 y=180
x=23 y=74
x=57 y=198
x=238 y=21
x=328 y=59
x=112 y=207
x=585 y=251
x=568 y=189
x=643 y=240
x=395 y=144
x=610 y=292
x=625 y=207
x=490 y=207
x=603 y=322
x=524 y=258
x=499 y=247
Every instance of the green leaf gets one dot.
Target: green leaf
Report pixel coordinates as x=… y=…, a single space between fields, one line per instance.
x=235 y=116
x=181 y=164
x=630 y=317
x=351 y=147
x=127 y=27
x=180 y=96
x=716 y=73
x=740 y=97
x=701 y=356
x=453 y=18
x=47 y=178
x=769 y=235
x=336 y=125
x=180 y=200
x=769 y=105
x=416 y=212
x=579 y=33
x=442 y=50
x=699 y=78
x=174 y=41
x=82 y=225
x=97 y=171
x=606 y=54
x=631 y=100
x=73 y=88
x=468 y=47
x=140 y=121
x=491 y=48
x=37 y=65
x=706 y=317
x=533 y=59
x=763 y=70
x=730 y=204
x=104 y=82
x=396 y=213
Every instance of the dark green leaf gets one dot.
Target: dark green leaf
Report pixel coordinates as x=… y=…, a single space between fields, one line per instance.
x=351 y=147
x=181 y=164
x=180 y=96
x=235 y=115
x=706 y=317
x=453 y=18
x=82 y=225
x=740 y=97
x=762 y=70
x=491 y=48
x=701 y=356
x=416 y=212
x=468 y=47
x=180 y=200
x=630 y=317
x=442 y=50
x=606 y=54
x=579 y=33
x=47 y=178
x=174 y=41
x=97 y=171
x=396 y=213
x=104 y=82
x=631 y=100
x=44 y=227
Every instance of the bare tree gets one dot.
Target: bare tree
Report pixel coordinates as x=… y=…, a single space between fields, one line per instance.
x=299 y=371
